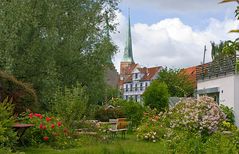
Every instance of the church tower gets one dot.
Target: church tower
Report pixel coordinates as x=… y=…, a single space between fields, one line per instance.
x=128 y=53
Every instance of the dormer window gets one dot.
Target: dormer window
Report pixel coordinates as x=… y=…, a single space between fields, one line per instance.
x=136 y=75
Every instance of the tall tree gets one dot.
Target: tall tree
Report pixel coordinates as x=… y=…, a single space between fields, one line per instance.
x=216 y=49
x=222 y=49
x=179 y=83
x=52 y=43
x=156 y=96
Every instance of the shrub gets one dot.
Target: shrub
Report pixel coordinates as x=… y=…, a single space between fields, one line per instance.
x=103 y=114
x=228 y=112
x=151 y=128
x=196 y=116
x=201 y=115
x=7 y=135
x=47 y=129
x=70 y=105
x=156 y=96
x=179 y=83
x=132 y=110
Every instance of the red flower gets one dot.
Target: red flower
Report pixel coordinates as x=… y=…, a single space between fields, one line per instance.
x=45 y=138
x=41 y=126
x=30 y=115
x=38 y=115
x=52 y=125
x=59 y=124
x=48 y=119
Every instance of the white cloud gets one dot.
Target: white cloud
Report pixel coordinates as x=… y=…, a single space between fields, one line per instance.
x=170 y=42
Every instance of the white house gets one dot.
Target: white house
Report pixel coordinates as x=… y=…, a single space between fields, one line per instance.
x=137 y=81
x=220 y=80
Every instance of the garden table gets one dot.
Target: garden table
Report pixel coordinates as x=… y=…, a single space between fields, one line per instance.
x=21 y=128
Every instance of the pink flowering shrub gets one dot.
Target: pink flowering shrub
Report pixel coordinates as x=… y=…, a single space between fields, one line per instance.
x=191 y=116
x=201 y=115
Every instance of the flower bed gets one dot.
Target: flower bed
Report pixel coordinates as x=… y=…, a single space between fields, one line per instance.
x=47 y=129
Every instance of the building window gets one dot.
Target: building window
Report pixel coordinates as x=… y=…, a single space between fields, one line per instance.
x=126 y=88
x=131 y=87
x=126 y=97
x=146 y=85
x=136 y=87
x=141 y=86
x=136 y=75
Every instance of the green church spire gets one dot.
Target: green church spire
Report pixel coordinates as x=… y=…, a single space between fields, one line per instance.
x=128 y=53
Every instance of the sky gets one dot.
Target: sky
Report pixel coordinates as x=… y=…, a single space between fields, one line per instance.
x=173 y=33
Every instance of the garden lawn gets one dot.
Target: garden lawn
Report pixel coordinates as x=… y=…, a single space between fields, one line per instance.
x=128 y=145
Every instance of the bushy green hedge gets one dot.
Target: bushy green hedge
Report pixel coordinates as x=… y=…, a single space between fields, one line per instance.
x=103 y=114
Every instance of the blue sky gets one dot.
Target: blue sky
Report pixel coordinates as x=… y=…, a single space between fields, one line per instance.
x=173 y=32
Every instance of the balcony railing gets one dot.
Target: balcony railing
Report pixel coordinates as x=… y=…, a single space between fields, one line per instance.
x=218 y=67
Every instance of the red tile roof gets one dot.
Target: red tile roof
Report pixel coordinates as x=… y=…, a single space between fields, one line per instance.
x=149 y=73
x=191 y=72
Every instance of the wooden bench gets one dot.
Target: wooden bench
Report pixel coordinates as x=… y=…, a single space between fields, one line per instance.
x=118 y=125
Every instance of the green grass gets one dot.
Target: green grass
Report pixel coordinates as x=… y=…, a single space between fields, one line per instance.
x=118 y=146
x=130 y=145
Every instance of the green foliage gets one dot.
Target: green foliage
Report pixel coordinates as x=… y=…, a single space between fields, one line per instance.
x=216 y=49
x=156 y=96
x=228 y=112
x=57 y=43
x=223 y=49
x=222 y=143
x=70 y=104
x=5 y=151
x=112 y=93
x=179 y=84
x=132 y=110
x=104 y=114
x=7 y=135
